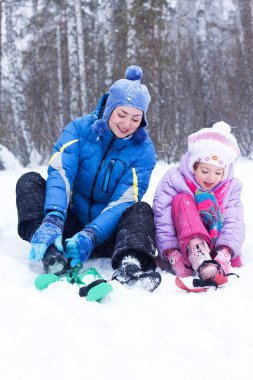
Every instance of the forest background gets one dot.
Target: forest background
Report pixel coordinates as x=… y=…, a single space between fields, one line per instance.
x=57 y=57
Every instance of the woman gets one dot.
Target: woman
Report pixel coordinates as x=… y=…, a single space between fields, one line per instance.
x=99 y=171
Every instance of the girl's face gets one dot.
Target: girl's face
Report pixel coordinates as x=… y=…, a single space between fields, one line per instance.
x=124 y=121
x=208 y=176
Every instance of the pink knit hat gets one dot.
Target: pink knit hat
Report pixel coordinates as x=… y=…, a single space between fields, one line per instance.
x=215 y=146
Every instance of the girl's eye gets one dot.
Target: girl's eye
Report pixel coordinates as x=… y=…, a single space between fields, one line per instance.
x=120 y=115
x=204 y=172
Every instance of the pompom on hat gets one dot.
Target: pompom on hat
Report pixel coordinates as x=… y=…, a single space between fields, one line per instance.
x=215 y=146
x=128 y=92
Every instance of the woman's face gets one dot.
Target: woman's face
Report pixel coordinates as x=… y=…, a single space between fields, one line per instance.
x=208 y=176
x=124 y=121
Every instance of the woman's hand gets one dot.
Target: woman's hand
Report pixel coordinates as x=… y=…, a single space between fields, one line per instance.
x=50 y=232
x=79 y=247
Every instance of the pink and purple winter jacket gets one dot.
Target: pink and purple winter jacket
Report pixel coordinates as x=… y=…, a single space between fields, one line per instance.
x=173 y=182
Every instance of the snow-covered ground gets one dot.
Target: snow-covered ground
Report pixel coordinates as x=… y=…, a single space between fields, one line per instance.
x=131 y=334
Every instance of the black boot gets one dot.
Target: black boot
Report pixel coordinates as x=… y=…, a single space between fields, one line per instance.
x=129 y=272
x=54 y=261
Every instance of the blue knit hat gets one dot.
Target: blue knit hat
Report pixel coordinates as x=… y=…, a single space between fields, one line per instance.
x=128 y=92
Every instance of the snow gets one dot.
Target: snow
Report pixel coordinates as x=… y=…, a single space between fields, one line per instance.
x=228 y=8
x=8 y=160
x=131 y=334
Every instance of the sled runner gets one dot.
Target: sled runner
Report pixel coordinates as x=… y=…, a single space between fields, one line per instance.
x=91 y=284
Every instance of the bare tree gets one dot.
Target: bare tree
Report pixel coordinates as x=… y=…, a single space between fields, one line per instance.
x=59 y=74
x=74 y=79
x=0 y=61
x=58 y=57
x=21 y=138
x=81 y=55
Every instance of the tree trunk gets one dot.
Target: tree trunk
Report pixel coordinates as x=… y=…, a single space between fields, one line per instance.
x=81 y=55
x=1 y=118
x=21 y=136
x=59 y=75
x=74 y=85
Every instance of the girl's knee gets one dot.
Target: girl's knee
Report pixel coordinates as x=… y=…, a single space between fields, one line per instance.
x=182 y=199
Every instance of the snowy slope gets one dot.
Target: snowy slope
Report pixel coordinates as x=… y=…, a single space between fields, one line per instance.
x=132 y=334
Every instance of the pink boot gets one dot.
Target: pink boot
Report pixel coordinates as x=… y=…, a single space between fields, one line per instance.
x=199 y=253
x=224 y=259
x=179 y=265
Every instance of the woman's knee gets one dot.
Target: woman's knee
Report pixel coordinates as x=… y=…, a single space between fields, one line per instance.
x=140 y=207
x=30 y=197
x=30 y=180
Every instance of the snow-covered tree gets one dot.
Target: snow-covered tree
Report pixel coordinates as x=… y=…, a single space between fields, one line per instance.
x=19 y=134
x=58 y=56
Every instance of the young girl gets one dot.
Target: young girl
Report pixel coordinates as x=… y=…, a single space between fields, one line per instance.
x=198 y=209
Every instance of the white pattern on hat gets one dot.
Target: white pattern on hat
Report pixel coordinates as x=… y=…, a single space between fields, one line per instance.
x=215 y=146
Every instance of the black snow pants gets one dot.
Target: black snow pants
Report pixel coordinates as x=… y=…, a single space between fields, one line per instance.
x=135 y=233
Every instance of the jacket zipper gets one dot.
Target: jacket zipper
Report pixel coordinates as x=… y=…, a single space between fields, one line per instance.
x=108 y=176
x=96 y=177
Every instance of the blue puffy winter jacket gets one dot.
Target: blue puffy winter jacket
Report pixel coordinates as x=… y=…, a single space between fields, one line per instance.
x=99 y=176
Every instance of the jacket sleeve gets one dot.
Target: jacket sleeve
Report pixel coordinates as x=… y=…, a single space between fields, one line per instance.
x=130 y=189
x=166 y=237
x=232 y=233
x=62 y=169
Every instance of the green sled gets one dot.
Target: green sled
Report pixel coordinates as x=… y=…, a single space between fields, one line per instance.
x=92 y=285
